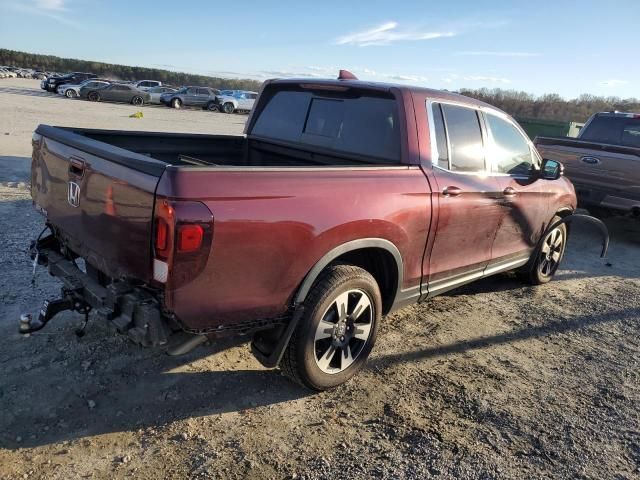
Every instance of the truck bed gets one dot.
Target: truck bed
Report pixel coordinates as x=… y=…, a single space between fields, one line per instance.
x=604 y=175
x=151 y=152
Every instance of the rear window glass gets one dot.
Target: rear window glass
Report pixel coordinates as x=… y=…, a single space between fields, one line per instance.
x=365 y=125
x=613 y=130
x=465 y=138
x=441 y=137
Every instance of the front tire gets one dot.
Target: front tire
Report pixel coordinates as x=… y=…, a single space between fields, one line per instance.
x=212 y=107
x=228 y=107
x=546 y=257
x=176 y=103
x=93 y=96
x=69 y=93
x=337 y=331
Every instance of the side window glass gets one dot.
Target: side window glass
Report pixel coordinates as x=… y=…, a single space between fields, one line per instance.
x=510 y=152
x=191 y=91
x=465 y=139
x=441 y=137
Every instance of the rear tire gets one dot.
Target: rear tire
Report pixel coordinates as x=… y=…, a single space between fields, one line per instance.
x=228 y=107
x=546 y=257
x=337 y=331
x=176 y=103
x=137 y=101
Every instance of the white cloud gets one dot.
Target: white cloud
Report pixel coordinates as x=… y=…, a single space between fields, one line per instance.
x=614 y=83
x=486 y=79
x=454 y=77
x=315 y=68
x=482 y=53
x=407 y=78
x=53 y=9
x=57 y=5
x=386 y=34
x=288 y=73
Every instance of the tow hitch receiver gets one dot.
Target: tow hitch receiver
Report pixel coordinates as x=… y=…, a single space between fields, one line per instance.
x=50 y=308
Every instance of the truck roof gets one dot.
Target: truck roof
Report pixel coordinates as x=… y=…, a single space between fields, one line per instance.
x=616 y=113
x=384 y=86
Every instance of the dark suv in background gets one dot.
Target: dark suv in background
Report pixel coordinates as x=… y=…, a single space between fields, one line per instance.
x=203 y=97
x=51 y=84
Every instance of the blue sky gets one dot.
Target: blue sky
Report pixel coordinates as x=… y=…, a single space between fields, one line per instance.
x=540 y=46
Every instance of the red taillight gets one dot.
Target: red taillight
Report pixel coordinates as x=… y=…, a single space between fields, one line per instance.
x=183 y=234
x=189 y=238
x=162 y=232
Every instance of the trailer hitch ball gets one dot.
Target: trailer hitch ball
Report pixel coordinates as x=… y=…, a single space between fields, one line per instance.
x=25 y=324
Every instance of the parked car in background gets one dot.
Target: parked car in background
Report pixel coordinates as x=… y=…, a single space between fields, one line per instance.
x=70 y=90
x=115 y=92
x=215 y=234
x=145 y=85
x=203 y=97
x=603 y=162
x=7 y=73
x=242 y=101
x=156 y=92
x=51 y=84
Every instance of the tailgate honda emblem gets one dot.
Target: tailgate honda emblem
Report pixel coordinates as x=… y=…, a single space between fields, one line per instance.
x=73 y=195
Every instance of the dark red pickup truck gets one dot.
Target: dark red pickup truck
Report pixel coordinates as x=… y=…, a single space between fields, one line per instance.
x=344 y=200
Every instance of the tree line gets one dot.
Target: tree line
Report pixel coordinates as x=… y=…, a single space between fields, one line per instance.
x=516 y=103
x=52 y=63
x=551 y=106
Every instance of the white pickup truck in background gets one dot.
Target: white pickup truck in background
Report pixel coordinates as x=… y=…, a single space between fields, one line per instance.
x=239 y=101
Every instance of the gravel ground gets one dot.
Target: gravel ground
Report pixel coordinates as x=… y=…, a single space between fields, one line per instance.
x=493 y=380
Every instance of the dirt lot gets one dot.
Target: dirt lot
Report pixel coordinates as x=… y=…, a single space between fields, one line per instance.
x=495 y=380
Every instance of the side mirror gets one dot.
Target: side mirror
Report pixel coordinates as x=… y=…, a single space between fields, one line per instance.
x=551 y=169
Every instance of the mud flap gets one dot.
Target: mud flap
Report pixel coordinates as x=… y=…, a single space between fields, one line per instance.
x=576 y=217
x=269 y=351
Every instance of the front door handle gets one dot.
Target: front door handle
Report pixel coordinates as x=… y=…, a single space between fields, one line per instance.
x=451 y=191
x=509 y=192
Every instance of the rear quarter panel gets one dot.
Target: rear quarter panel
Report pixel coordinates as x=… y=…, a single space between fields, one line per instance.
x=272 y=225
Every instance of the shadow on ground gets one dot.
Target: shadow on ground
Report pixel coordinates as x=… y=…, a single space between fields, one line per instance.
x=30 y=92
x=517 y=335
x=14 y=169
x=132 y=392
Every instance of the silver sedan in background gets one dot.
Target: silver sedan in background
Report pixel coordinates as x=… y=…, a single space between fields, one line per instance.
x=155 y=93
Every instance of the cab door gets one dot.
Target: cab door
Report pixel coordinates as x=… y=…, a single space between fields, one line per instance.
x=191 y=96
x=524 y=199
x=466 y=198
x=202 y=97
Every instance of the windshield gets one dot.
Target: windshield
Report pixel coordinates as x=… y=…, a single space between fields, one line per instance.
x=616 y=130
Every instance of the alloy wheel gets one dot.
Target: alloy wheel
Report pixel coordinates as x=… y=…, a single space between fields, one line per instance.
x=551 y=252
x=343 y=331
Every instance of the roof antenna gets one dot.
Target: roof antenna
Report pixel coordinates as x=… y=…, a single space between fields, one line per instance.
x=346 y=75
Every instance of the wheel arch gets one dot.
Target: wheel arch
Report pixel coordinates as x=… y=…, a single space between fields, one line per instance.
x=380 y=257
x=564 y=212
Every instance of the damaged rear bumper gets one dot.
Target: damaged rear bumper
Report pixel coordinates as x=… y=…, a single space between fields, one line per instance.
x=134 y=309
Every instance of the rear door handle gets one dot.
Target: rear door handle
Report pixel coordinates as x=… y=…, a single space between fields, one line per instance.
x=451 y=191
x=509 y=192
